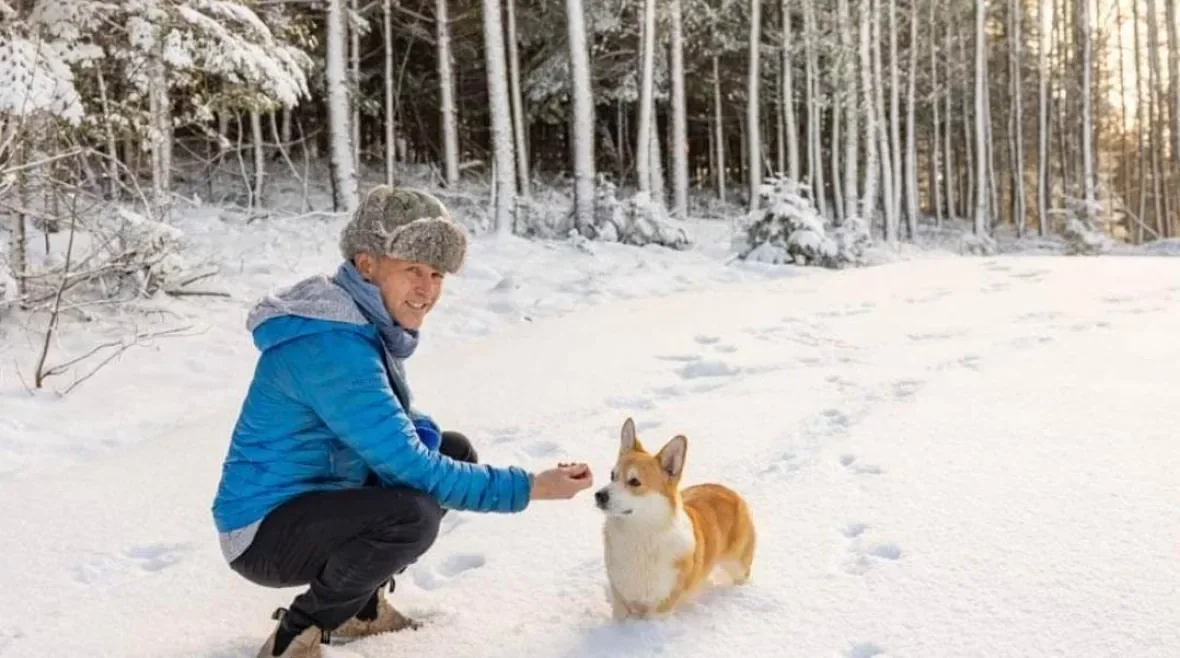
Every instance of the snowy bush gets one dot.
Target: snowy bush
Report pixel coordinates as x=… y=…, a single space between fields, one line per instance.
x=977 y=245
x=791 y=231
x=637 y=221
x=144 y=251
x=1082 y=237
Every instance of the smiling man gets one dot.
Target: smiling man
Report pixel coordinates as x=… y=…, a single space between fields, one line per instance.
x=332 y=479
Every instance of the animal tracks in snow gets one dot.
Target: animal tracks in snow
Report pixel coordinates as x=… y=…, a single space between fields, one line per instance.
x=850 y=462
x=864 y=650
x=863 y=551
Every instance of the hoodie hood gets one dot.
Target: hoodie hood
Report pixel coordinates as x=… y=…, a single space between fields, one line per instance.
x=314 y=298
x=315 y=305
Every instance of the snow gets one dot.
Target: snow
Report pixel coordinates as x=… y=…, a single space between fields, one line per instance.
x=945 y=456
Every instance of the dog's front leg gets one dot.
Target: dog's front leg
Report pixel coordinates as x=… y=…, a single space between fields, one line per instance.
x=618 y=606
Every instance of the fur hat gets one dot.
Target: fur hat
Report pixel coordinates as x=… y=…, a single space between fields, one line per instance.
x=407 y=224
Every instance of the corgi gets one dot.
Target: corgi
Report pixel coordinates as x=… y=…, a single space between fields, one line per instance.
x=661 y=543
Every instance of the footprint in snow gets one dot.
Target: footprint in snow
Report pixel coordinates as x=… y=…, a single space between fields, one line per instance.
x=706 y=340
x=849 y=462
x=541 y=449
x=904 y=389
x=710 y=368
x=865 y=553
x=863 y=650
x=447 y=570
x=623 y=402
x=683 y=358
x=156 y=557
x=725 y=348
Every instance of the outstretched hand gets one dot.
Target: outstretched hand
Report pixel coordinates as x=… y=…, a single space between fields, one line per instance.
x=562 y=482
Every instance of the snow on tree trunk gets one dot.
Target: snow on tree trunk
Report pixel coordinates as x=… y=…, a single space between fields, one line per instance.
x=518 y=112
x=502 y=148
x=446 y=84
x=950 y=173
x=679 y=159
x=658 y=189
x=583 y=108
x=753 y=123
x=344 y=168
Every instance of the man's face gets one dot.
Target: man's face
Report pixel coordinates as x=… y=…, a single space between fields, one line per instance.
x=409 y=289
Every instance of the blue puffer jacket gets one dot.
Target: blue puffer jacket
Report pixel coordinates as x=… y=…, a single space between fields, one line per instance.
x=326 y=407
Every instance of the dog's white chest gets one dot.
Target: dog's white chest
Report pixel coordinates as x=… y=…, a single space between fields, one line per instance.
x=641 y=565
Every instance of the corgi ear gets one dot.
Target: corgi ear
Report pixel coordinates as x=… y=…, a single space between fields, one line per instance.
x=627 y=439
x=671 y=456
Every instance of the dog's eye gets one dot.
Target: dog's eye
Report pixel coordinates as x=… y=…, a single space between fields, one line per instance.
x=634 y=482
x=614 y=475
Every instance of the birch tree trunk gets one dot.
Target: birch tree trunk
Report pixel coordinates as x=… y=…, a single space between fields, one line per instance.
x=679 y=119
x=643 y=141
x=815 y=165
x=753 y=123
x=446 y=83
x=390 y=109
x=336 y=75
x=518 y=113
x=1016 y=41
x=911 y=143
x=1141 y=164
x=1087 y=113
x=718 y=130
x=583 y=107
x=354 y=58
x=982 y=193
x=1043 y=6
x=936 y=126
x=1154 y=119
x=851 y=115
x=888 y=181
x=160 y=108
x=259 y=149
x=501 y=111
x=867 y=82
x=788 y=100
x=949 y=161
x=895 y=173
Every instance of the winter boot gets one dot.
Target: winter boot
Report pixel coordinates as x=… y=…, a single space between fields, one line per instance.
x=292 y=638
x=378 y=616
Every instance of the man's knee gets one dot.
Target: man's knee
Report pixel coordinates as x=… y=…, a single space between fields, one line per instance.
x=457 y=446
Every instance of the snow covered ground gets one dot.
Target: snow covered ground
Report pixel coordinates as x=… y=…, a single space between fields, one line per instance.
x=947 y=457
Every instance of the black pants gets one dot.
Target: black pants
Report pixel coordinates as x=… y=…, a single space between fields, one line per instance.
x=346 y=545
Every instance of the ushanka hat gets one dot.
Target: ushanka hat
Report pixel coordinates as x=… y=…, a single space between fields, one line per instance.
x=407 y=224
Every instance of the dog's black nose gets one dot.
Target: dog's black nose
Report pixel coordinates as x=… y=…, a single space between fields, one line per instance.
x=601 y=496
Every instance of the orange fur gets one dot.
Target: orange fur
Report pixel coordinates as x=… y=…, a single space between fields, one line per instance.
x=662 y=543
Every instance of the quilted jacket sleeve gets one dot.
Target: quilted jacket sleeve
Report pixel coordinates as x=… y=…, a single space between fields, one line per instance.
x=341 y=376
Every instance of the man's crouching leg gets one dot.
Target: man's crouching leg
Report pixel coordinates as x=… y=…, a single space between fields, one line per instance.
x=378 y=615
x=343 y=545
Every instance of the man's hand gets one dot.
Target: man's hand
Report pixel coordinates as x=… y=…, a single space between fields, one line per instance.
x=562 y=482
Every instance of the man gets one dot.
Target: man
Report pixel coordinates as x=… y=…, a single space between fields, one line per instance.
x=332 y=479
